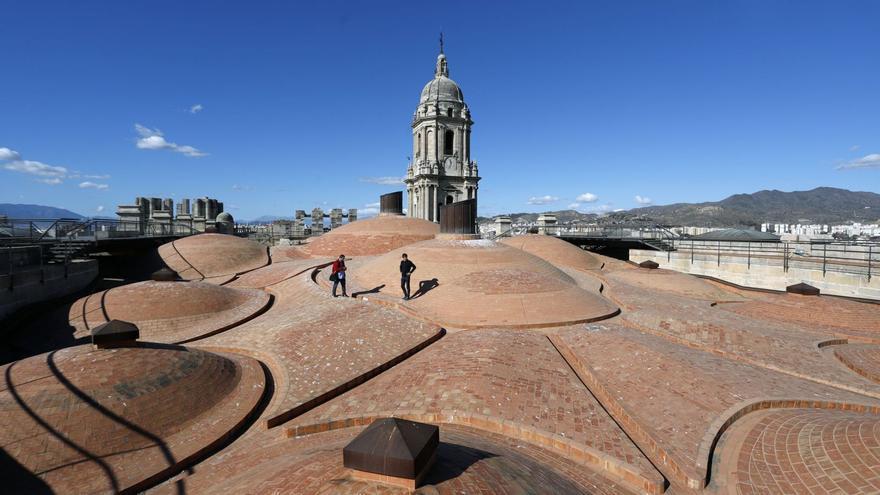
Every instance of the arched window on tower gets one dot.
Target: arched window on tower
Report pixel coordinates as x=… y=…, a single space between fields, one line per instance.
x=450 y=199
x=419 y=145
x=448 y=141
x=449 y=112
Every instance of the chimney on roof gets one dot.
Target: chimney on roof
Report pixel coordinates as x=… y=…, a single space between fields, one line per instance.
x=165 y=274
x=459 y=218
x=393 y=451
x=391 y=204
x=115 y=333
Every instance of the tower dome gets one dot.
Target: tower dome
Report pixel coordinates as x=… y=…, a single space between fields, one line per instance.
x=441 y=88
x=441 y=171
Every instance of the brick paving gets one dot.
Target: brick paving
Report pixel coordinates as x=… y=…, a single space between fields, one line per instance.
x=802 y=451
x=484 y=284
x=168 y=312
x=555 y=251
x=371 y=237
x=774 y=344
x=506 y=379
x=669 y=397
x=215 y=258
x=136 y=414
x=864 y=359
x=839 y=316
x=469 y=461
x=314 y=343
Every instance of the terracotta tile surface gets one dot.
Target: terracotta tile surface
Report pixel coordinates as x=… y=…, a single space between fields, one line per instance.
x=832 y=314
x=371 y=236
x=215 y=258
x=555 y=251
x=314 y=343
x=137 y=413
x=509 y=376
x=483 y=284
x=169 y=312
x=469 y=461
x=671 y=396
x=864 y=359
x=802 y=451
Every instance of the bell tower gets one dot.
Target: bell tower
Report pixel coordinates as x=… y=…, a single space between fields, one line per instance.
x=441 y=171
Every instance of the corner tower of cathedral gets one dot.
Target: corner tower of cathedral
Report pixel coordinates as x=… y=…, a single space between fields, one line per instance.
x=441 y=171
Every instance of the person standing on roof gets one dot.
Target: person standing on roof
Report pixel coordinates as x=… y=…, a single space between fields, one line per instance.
x=407 y=267
x=337 y=275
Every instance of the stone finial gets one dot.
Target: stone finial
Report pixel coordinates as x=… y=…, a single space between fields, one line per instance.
x=393 y=451
x=649 y=264
x=165 y=275
x=115 y=333
x=803 y=289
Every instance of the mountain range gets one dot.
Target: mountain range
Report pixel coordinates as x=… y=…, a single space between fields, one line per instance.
x=822 y=205
x=35 y=211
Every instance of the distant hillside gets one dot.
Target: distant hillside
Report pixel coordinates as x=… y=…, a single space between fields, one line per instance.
x=35 y=211
x=823 y=205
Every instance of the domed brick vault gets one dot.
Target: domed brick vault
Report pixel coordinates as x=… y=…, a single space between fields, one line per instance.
x=547 y=368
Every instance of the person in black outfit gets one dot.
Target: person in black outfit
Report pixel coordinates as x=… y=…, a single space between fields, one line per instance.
x=407 y=267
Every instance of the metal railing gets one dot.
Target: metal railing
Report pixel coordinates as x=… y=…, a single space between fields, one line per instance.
x=15 y=259
x=18 y=230
x=853 y=257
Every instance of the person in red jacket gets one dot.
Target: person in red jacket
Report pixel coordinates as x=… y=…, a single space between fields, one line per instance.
x=337 y=275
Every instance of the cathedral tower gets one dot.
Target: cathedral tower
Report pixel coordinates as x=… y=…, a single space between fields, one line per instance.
x=441 y=171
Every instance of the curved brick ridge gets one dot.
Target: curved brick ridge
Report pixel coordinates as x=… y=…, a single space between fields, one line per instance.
x=482 y=283
x=802 y=451
x=840 y=316
x=280 y=254
x=215 y=258
x=775 y=345
x=468 y=461
x=371 y=237
x=674 y=400
x=318 y=347
x=169 y=312
x=275 y=273
x=555 y=251
x=99 y=421
x=668 y=281
x=503 y=381
x=864 y=359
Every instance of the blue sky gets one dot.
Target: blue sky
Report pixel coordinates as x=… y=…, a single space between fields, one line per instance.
x=302 y=104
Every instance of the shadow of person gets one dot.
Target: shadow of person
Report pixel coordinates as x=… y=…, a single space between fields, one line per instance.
x=374 y=290
x=424 y=287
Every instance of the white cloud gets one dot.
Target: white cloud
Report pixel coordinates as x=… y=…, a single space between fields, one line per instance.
x=92 y=185
x=196 y=108
x=574 y=206
x=642 y=200
x=36 y=168
x=386 y=181
x=867 y=161
x=99 y=176
x=587 y=198
x=8 y=154
x=854 y=147
x=372 y=205
x=542 y=200
x=153 y=139
x=99 y=209
x=54 y=181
